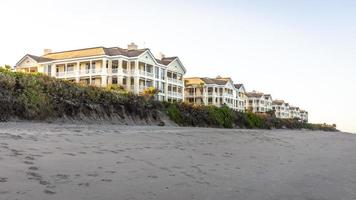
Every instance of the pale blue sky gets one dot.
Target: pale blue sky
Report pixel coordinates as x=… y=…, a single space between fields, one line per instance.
x=301 y=51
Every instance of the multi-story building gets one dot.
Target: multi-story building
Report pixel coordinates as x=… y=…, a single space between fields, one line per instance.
x=132 y=68
x=294 y=113
x=304 y=116
x=212 y=91
x=281 y=109
x=241 y=97
x=258 y=102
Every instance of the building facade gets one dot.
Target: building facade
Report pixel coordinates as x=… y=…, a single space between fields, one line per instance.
x=258 y=102
x=281 y=109
x=132 y=68
x=304 y=116
x=214 y=91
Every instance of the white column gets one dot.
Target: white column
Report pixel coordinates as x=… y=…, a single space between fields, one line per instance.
x=90 y=69
x=77 y=73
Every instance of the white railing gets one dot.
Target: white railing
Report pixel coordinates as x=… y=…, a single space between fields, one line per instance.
x=175 y=94
x=176 y=81
x=114 y=71
x=145 y=73
x=60 y=74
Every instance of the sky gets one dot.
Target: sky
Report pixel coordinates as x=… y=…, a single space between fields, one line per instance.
x=303 y=52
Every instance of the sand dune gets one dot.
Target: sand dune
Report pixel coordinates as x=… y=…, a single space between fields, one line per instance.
x=103 y=161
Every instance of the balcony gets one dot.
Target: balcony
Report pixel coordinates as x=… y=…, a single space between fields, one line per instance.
x=175 y=94
x=146 y=73
x=175 y=81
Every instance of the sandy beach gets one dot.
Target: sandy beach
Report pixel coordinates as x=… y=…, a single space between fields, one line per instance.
x=42 y=161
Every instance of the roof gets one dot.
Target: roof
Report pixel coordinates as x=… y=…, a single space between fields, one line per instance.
x=206 y=80
x=254 y=94
x=166 y=60
x=39 y=59
x=278 y=102
x=238 y=86
x=97 y=51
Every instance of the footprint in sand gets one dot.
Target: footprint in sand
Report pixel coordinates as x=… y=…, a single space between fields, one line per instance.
x=3 y=180
x=61 y=178
x=84 y=184
x=28 y=162
x=29 y=158
x=34 y=176
x=93 y=174
x=69 y=154
x=33 y=168
x=152 y=176
x=50 y=192
x=106 y=180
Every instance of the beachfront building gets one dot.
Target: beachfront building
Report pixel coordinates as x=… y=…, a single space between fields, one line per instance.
x=134 y=69
x=294 y=113
x=304 y=116
x=258 y=102
x=212 y=91
x=281 y=109
x=241 y=97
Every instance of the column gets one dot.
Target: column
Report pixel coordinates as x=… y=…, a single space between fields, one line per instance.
x=77 y=73
x=53 y=70
x=90 y=69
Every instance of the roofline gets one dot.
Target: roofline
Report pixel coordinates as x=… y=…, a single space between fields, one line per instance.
x=27 y=55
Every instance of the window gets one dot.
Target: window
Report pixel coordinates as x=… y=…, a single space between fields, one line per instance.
x=162 y=87
x=93 y=65
x=163 y=74
x=157 y=84
x=115 y=64
x=157 y=72
x=124 y=81
x=114 y=80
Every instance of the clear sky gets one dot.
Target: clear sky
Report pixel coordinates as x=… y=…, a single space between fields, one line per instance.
x=301 y=51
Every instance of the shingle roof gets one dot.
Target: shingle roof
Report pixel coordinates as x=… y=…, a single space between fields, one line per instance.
x=166 y=60
x=39 y=59
x=278 y=102
x=206 y=80
x=97 y=51
x=254 y=94
x=238 y=86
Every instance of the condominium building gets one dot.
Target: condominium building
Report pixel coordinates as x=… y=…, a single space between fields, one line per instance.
x=304 y=116
x=258 y=102
x=294 y=112
x=213 y=91
x=281 y=109
x=134 y=69
x=241 y=96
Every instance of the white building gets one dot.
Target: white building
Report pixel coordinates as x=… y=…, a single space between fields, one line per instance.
x=214 y=91
x=132 y=68
x=258 y=102
x=294 y=113
x=304 y=116
x=281 y=109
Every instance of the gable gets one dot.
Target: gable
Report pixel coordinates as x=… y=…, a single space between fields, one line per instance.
x=26 y=62
x=147 y=57
x=230 y=85
x=176 y=66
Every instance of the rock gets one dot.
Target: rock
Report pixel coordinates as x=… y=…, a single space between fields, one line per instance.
x=161 y=123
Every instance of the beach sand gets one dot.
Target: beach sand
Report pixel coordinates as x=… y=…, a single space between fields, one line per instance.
x=109 y=162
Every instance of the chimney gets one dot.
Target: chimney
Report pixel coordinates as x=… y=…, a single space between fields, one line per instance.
x=47 y=51
x=132 y=46
x=161 y=56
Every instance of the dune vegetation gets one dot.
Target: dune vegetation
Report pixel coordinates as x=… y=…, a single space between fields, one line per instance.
x=39 y=97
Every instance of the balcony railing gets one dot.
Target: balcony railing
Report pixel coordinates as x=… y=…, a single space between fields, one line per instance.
x=176 y=81
x=146 y=73
x=175 y=94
